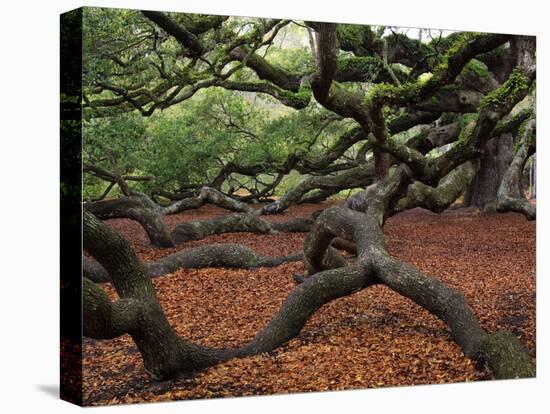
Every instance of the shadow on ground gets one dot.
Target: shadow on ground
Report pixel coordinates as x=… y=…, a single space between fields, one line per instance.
x=49 y=389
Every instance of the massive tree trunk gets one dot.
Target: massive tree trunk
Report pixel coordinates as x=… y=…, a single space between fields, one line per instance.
x=499 y=150
x=482 y=193
x=137 y=207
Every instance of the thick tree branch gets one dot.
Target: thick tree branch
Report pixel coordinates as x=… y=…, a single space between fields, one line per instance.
x=225 y=255
x=509 y=196
x=178 y=31
x=137 y=207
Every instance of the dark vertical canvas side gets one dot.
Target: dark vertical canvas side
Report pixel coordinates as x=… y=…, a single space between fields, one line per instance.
x=71 y=206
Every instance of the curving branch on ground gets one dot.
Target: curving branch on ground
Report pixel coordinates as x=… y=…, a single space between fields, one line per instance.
x=236 y=223
x=165 y=354
x=501 y=351
x=208 y=195
x=228 y=255
x=138 y=312
x=139 y=207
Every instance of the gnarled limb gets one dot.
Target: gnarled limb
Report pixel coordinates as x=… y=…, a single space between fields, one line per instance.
x=303 y=301
x=510 y=197
x=265 y=70
x=362 y=175
x=211 y=196
x=164 y=353
x=178 y=31
x=227 y=255
x=137 y=207
x=105 y=319
x=438 y=199
x=504 y=354
x=92 y=270
x=236 y=223
x=354 y=177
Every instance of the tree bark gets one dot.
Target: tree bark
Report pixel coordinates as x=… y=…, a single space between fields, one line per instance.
x=355 y=177
x=211 y=196
x=505 y=355
x=137 y=207
x=138 y=313
x=510 y=193
x=236 y=223
x=482 y=193
x=226 y=255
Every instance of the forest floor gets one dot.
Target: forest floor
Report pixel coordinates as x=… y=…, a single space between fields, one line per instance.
x=374 y=338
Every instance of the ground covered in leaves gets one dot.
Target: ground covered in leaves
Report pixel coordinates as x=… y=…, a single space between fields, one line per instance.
x=374 y=338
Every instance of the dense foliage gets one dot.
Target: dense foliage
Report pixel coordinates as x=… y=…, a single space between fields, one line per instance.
x=133 y=68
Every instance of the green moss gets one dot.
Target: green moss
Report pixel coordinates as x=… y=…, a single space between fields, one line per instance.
x=354 y=37
x=447 y=118
x=350 y=36
x=467 y=119
x=459 y=41
x=305 y=91
x=507 y=356
x=495 y=55
x=380 y=92
x=467 y=125
x=476 y=68
x=519 y=135
x=453 y=47
x=366 y=64
x=504 y=95
x=383 y=92
x=387 y=112
x=411 y=92
x=300 y=99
